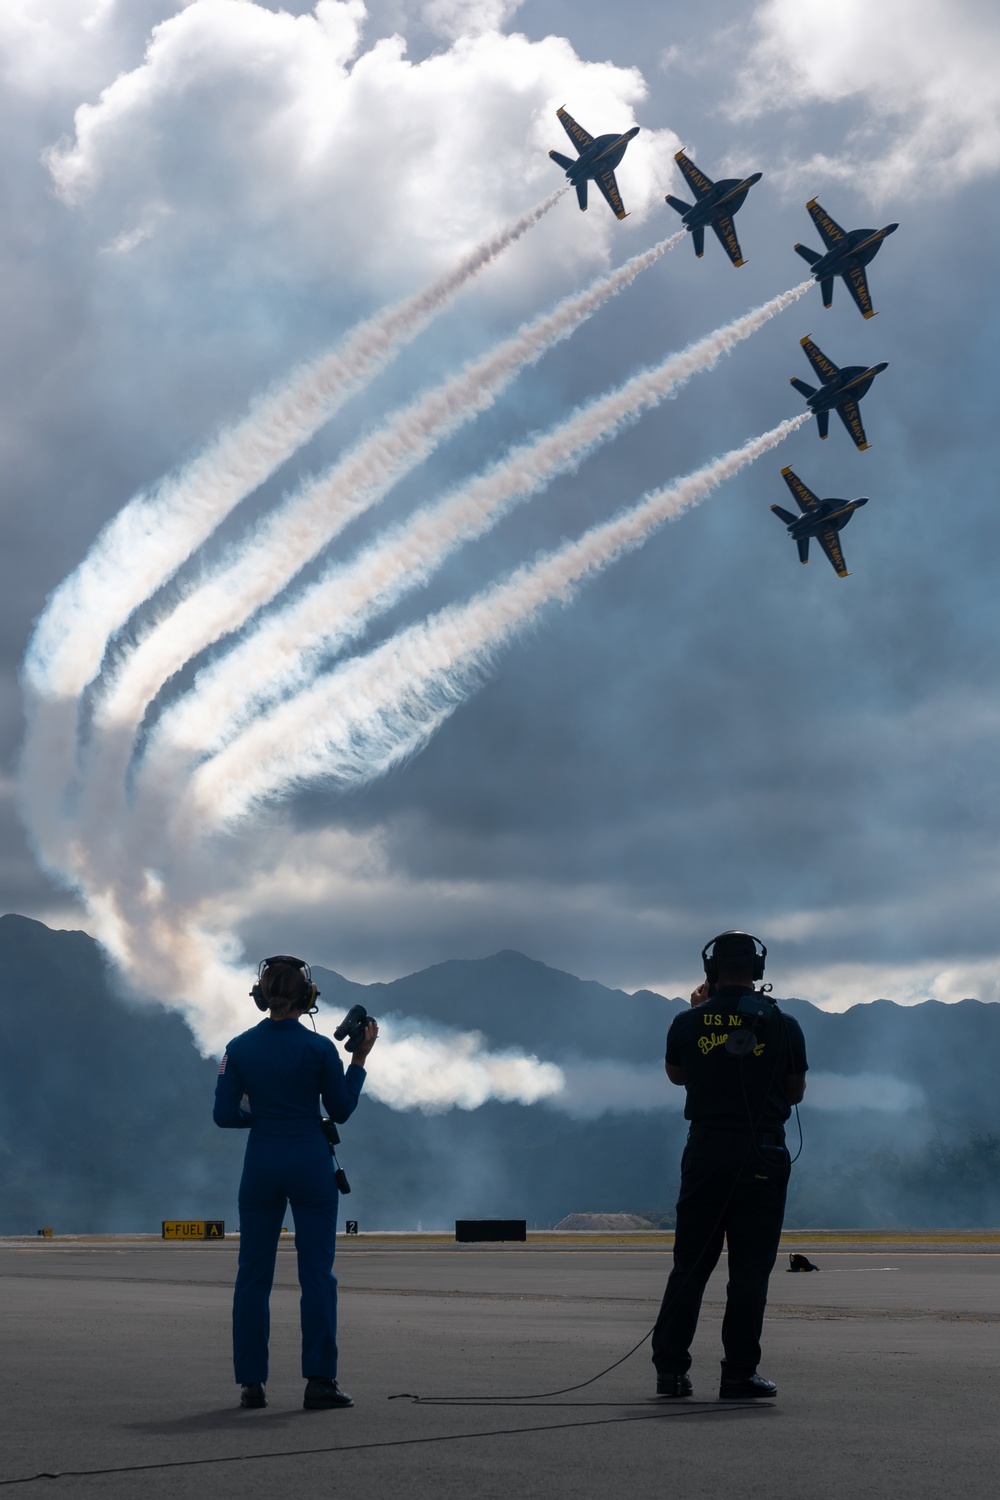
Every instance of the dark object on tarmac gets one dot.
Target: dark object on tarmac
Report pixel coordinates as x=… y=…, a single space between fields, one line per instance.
x=841 y=390
x=596 y=161
x=353 y=1027
x=351 y=1227
x=821 y=519
x=714 y=206
x=848 y=251
x=752 y=1385
x=800 y=1263
x=674 y=1386
x=253 y=1395
x=469 y=1231
x=324 y=1395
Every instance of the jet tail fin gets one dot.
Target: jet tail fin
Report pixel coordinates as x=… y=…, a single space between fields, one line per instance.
x=581 y=193
x=678 y=203
x=826 y=287
x=823 y=423
x=803 y=546
x=812 y=256
x=785 y=515
x=563 y=161
x=803 y=388
x=698 y=235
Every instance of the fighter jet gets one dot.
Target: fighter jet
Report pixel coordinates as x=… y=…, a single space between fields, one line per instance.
x=715 y=203
x=848 y=251
x=821 y=519
x=840 y=391
x=597 y=160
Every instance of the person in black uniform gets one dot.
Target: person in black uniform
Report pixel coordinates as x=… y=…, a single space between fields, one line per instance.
x=271 y=1081
x=743 y=1064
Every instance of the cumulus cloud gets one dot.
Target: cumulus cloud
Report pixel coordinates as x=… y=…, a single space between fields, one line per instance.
x=283 y=142
x=923 y=79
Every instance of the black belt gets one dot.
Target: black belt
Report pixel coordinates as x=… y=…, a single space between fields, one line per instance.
x=767 y=1135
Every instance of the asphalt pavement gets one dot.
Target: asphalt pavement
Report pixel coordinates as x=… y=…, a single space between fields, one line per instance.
x=116 y=1376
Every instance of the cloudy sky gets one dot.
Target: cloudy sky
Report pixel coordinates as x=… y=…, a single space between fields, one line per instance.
x=199 y=198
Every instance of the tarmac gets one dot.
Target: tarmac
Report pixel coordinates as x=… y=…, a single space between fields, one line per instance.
x=116 y=1375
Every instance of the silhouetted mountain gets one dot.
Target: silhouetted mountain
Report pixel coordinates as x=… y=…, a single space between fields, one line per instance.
x=105 y=1105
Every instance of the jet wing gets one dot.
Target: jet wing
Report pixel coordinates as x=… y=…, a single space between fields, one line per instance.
x=696 y=181
x=829 y=228
x=804 y=497
x=830 y=542
x=581 y=140
x=857 y=284
x=725 y=229
x=825 y=368
x=850 y=415
x=606 y=182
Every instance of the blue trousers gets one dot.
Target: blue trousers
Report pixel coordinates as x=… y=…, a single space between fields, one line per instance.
x=276 y=1172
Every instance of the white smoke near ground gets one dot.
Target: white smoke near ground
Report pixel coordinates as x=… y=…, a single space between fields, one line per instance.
x=297 y=529
x=421 y=1065
x=877 y=1091
x=285 y=650
x=592 y=1089
x=357 y=722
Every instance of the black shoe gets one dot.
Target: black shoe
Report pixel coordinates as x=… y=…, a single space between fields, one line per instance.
x=323 y=1395
x=749 y=1386
x=253 y=1394
x=673 y=1385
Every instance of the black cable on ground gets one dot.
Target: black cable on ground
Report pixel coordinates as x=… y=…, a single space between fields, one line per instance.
x=706 y=1410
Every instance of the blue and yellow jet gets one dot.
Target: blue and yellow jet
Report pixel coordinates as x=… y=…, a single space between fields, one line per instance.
x=848 y=251
x=715 y=203
x=840 y=391
x=821 y=519
x=596 y=161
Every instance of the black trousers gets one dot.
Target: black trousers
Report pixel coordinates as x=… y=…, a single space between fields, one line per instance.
x=733 y=1187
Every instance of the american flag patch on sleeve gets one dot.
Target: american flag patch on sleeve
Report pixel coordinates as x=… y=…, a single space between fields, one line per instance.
x=225 y=1059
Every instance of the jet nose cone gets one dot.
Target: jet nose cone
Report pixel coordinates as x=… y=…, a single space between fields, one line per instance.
x=755 y=178
x=877 y=369
x=863 y=501
x=890 y=229
x=631 y=134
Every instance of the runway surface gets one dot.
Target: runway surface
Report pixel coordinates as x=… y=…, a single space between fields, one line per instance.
x=115 y=1357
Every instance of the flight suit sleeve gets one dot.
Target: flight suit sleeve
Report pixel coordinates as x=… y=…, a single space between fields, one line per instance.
x=229 y=1091
x=340 y=1091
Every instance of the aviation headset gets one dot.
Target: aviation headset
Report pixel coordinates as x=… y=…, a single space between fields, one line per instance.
x=711 y=963
x=310 y=994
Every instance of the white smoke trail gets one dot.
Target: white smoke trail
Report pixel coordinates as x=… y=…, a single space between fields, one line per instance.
x=295 y=531
x=355 y=723
x=149 y=539
x=284 y=651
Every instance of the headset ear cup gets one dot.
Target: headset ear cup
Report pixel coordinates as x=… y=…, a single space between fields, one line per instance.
x=257 y=995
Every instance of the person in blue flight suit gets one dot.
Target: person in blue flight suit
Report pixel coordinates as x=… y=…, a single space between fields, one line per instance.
x=271 y=1081
x=743 y=1063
